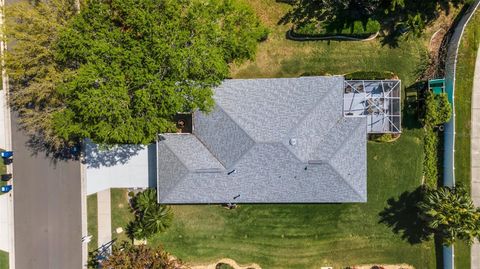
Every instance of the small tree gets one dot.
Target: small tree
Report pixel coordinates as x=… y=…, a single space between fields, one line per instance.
x=450 y=213
x=150 y=217
x=128 y=256
x=437 y=109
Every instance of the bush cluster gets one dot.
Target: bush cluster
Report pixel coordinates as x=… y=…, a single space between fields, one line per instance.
x=437 y=109
x=370 y=75
x=150 y=217
x=430 y=164
x=356 y=29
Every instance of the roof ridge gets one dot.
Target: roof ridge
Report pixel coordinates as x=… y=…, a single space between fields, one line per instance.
x=181 y=179
x=343 y=140
x=205 y=146
x=303 y=118
x=193 y=135
x=342 y=145
x=236 y=123
x=240 y=127
x=345 y=181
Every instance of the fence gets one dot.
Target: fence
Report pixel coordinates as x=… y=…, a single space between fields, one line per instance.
x=449 y=135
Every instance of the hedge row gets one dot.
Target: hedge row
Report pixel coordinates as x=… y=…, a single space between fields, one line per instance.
x=430 y=164
x=370 y=75
x=358 y=29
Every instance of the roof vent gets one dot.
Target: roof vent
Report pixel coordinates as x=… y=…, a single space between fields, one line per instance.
x=293 y=141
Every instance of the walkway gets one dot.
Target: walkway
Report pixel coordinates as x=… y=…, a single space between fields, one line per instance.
x=6 y=222
x=475 y=153
x=104 y=217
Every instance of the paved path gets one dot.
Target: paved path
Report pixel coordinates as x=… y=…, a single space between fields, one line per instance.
x=104 y=217
x=475 y=153
x=47 y=206
x=6 y=222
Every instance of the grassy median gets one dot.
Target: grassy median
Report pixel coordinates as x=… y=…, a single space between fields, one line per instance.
x=121 y=214
x=92 y=224
x=463 y=108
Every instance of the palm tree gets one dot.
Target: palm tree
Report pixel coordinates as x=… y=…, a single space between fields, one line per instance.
x=158 y=219
x=451 y=214
x=143 y=201
x=150 y=217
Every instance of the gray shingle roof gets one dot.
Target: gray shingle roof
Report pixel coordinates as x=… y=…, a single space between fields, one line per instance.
x=286 y=139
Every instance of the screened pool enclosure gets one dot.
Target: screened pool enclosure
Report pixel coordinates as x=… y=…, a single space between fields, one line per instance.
x=377 y=100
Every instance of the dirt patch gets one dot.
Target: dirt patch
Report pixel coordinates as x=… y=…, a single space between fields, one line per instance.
x=230 y=262
x=383 y=266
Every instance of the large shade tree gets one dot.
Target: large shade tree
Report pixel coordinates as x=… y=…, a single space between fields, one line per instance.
x=136 y=63
x=32 y=28
x=120 y=69
x=450 y=213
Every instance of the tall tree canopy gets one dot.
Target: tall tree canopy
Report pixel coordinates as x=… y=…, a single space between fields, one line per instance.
x=125 y=67
x=31 y=65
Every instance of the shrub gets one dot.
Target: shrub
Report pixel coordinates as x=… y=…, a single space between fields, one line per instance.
x=150 y=217
x=430 y=164
x=370 y=75
x=356 y=29
x=437 y=109
x=223 y=266
x=383 y=138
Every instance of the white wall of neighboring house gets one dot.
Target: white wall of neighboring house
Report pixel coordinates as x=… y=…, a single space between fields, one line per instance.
x=123 y=166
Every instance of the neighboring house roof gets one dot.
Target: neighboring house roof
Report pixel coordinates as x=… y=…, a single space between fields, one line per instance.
x=286 y=139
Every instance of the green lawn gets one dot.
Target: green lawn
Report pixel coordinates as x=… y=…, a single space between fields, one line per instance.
x=4 y=260
x=279 y=57
x=121 y=214
x=92 y=224
x=463 y=93
x=310 y=236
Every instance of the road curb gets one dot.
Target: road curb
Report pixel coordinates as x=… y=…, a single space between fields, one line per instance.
x=7 y=137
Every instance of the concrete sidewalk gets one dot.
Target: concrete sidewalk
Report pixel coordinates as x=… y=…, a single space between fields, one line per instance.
x=104 y=218
x=6 y=222
x=475 y=154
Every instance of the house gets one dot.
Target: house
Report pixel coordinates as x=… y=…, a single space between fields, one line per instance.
x=287 y=140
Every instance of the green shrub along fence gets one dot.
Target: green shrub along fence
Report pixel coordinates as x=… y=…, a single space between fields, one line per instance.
x=437 y=111
x=356 y=29
x=431 y=164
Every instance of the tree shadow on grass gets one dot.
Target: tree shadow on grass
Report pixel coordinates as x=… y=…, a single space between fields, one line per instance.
x=402 y=216
x=397 y=21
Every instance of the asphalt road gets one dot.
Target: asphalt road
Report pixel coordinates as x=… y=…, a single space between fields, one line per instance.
x=47 y=209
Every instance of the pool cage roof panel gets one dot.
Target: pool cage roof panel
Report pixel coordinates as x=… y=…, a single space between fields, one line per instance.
x=377 y=100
